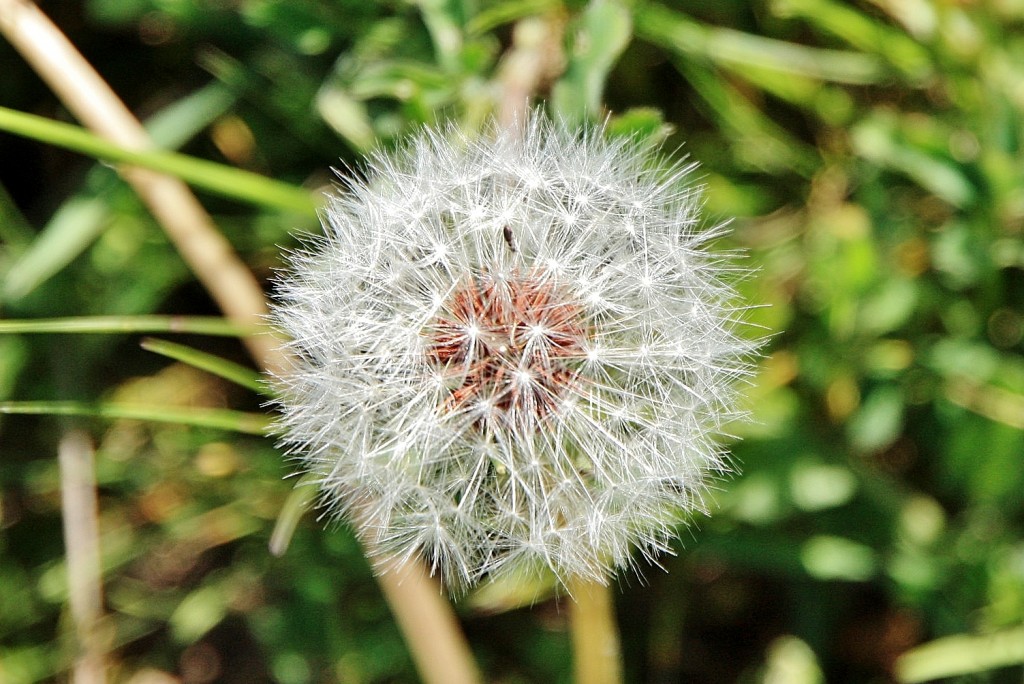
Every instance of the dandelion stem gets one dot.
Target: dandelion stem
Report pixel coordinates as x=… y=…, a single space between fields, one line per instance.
x=595 y=635
x=424 y=616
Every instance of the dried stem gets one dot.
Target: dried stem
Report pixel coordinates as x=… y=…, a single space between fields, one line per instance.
x=534 y=61
x=187 y=224
x=221 y=272
x=82 y=541
x=595 y=636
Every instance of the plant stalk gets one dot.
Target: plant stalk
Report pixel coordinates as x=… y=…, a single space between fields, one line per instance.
x=423 y=614
x=82 y=542
x=193 y=232
x=595 y=635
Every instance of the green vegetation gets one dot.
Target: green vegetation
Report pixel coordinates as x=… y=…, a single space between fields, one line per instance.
x=870 y=155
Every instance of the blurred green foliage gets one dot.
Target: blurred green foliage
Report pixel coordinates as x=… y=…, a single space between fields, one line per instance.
x=871 y=155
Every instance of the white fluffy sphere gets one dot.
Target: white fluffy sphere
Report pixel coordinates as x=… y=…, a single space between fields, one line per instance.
x=511 y=353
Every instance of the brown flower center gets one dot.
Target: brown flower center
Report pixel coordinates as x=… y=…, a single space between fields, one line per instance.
x=507 y=347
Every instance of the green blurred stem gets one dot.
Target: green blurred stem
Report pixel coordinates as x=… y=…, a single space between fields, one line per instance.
x=223 y=419
x=198 y=325
x=595 y=634
x=300 y=500
x=217 y=178
x=222 y=368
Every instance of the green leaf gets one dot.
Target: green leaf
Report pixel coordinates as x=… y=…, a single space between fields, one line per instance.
x=75 y=225
x=444 y=25
x=738 y=50
x=222 y=419
x=229 y=370
x=961 y=655
x=506 y=12
x=827 y=557
x=80 y=220
x=603 y=32
x=216 y=178
x=399 y=79
x=198 y=325
x=879 y=420
x=347 y=115
x=176 y=124
x=198 y=613
x=14 y=354
x=877 y=139
x=512 y=592
x=640 y=123
x=758 y=140
x=792 y=661
x=864 y=33
x=15 y=230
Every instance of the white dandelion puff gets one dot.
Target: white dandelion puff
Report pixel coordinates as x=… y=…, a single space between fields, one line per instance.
x=512 y=353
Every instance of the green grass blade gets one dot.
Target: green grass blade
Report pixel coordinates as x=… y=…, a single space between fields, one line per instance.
x=299 y=501
x=347 y=115
x=603 y=32
x=14 y=355
x=763 y=143
x=221 y=419
x=863 y=32
x=961 y=655
x=15 y=230
x=80 y=220
x=198 y=325
x=222 y=368
x=179 y=122
x=76 y=224
x=444 y=25
x=738 y=50
x=877 y=139
x=216 y=178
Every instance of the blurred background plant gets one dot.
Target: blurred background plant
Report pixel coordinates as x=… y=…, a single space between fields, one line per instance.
x=871 y=154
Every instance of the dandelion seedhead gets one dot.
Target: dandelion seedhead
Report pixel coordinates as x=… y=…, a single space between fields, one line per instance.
x=512 y=353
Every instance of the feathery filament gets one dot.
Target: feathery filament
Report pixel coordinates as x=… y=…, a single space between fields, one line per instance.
x=512 y=354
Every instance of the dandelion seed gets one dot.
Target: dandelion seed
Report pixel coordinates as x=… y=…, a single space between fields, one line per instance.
x=512 y=354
